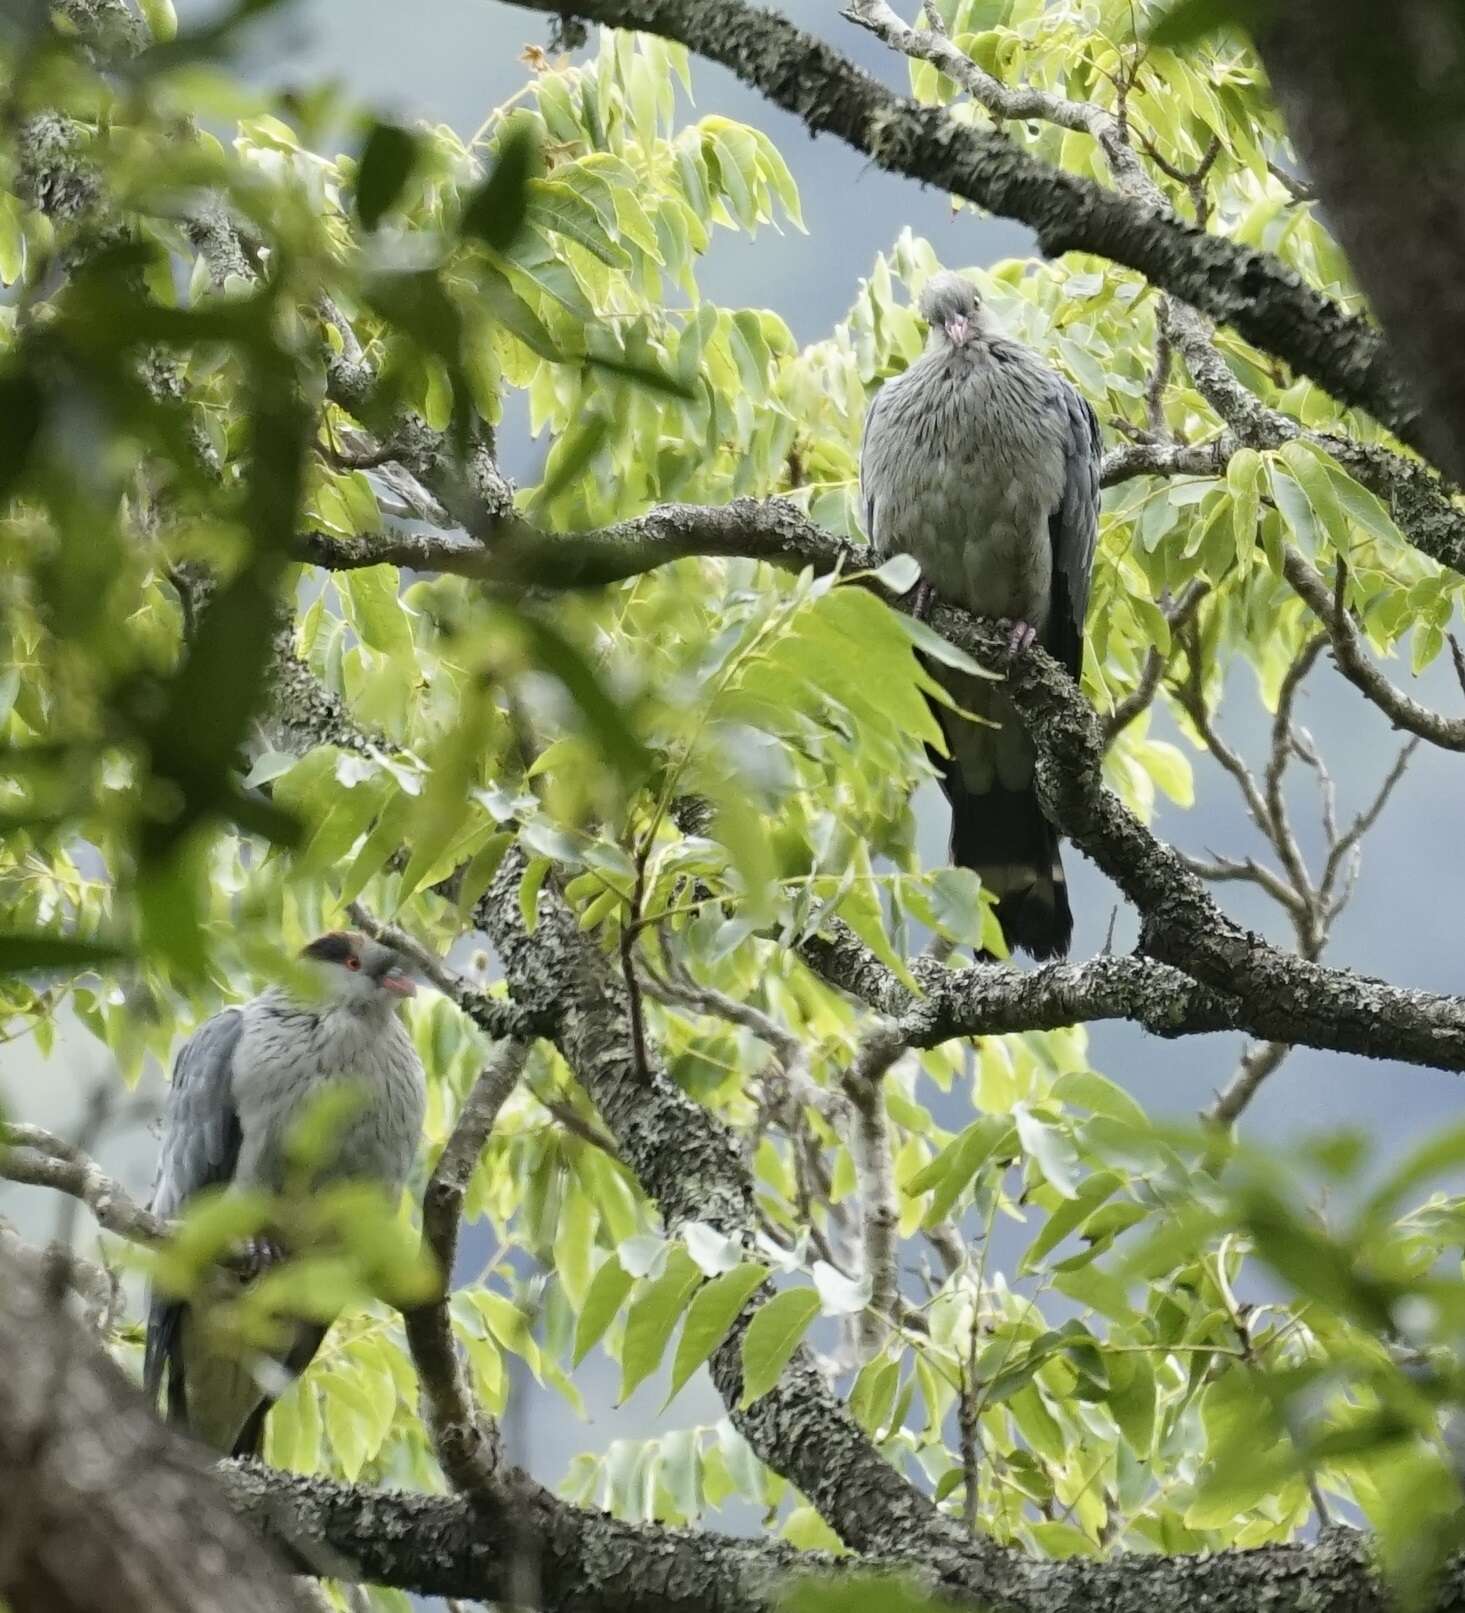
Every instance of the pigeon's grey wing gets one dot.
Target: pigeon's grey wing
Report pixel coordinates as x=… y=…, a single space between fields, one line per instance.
x=1073 y=529
x=869 y=477
x=200 y=1149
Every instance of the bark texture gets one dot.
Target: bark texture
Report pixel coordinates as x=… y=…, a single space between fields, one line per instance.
x=1378 y=118
x=102 y=1508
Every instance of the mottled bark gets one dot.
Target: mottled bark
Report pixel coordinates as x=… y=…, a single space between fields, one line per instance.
x=102 y=1509
x=523 y=1544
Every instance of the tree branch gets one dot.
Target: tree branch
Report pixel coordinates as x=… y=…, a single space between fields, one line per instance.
x=465 y=1438
x=1348 y=653
x=1262 y=298
x=1283 y=998
x=103 y=1508
x=34 y=1158
x=880 y=1046
x=689 y=1165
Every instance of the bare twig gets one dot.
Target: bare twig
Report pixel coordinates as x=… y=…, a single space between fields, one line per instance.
x=1257 y=1063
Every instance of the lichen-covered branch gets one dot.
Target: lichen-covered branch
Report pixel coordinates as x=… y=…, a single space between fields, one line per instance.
x=35 y=1158
x=103 y=1510
x=879 y=1206
x=1271 y=993
x=1267 y=302
x=689 y=1165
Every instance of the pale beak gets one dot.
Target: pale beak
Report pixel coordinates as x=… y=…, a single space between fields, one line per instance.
x=400 y=982
x=957 y=328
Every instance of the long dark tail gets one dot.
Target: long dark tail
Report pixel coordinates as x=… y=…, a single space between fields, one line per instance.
x=216 y=1397
x=1003 y=836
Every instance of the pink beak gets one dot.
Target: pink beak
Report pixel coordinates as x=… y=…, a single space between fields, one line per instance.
x=957 y=328
x=403 y=984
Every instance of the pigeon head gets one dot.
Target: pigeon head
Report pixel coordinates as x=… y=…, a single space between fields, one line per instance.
x=952 y=306
x=357 y=972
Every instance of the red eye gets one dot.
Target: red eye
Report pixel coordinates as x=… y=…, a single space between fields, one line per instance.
x=353 y=963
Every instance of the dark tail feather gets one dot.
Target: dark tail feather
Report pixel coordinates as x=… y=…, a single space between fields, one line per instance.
x=1003 y=836
x=162 y=1357
x=250 y=1443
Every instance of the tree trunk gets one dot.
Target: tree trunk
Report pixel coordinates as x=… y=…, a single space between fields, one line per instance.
x=1373 y=99
x=101 y=1506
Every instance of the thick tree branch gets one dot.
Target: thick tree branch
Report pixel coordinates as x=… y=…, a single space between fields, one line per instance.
x=1263 y=299
x=1285 y=998
x=1289 y=998
x=101 y=1507
x=764 y=529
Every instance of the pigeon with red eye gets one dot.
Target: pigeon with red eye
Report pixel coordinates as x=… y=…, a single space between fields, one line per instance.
x=240 y=1084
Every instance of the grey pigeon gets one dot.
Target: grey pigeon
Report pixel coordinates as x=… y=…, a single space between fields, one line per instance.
x=983 y=463
x=240 y=1083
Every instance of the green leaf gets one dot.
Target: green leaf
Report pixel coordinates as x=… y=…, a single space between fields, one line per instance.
x=608 y=1288
x=510 y=310
x=12 y=240
x=1313 y=468
x=376 y=610
x=387 y=160
x=20 y=952
x=1132 y=1398
x=494 y=213
x=712 y=1312
x=1050 y=1147
x=1095 y=1190
x=1436 y=1156
x=776 y=1331
x=529 y=892
x=646 y=375
x=1101 y=1096
x=571 y=455
x=653 y=1315
x=1189 y=20
x=1296 y=509
x=553 y=652
x=161 y=19
x=898 y=575
x=953 y=1168
x=930 y=642
x=557 y=207
x=1059 y=1539
x=1241 y=479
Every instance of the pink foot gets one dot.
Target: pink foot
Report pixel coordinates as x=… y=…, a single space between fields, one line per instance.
x=921 y=602
x=1020 y=637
